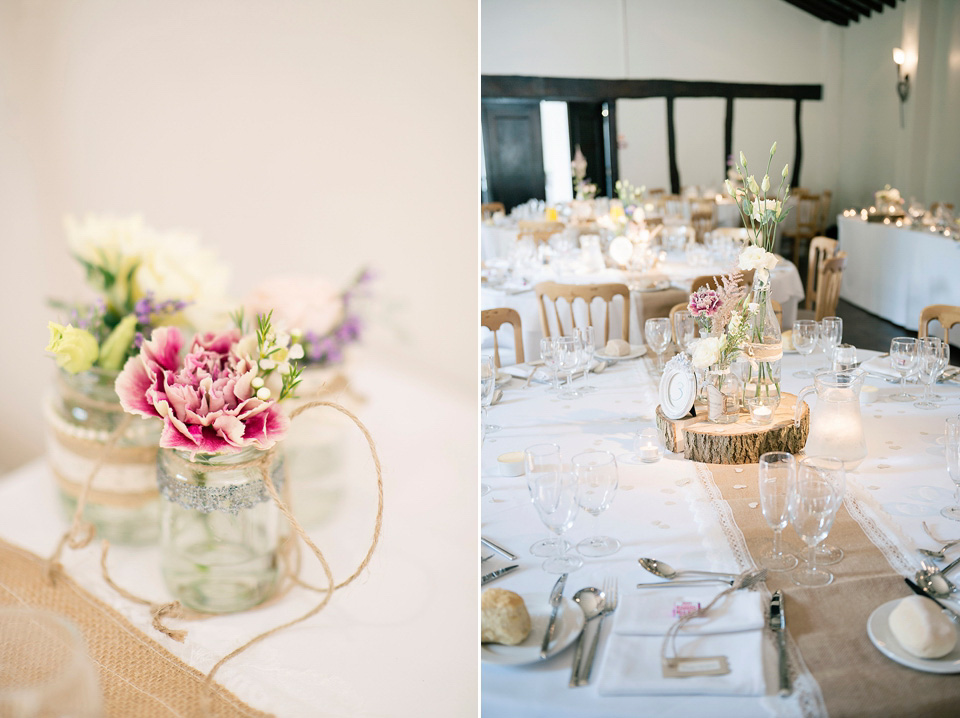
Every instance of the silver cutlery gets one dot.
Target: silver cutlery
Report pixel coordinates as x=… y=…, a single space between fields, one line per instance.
x=499 y=549
x=610 y=598
x=690 y=582
x=555 y=597
x=934 y=581
x=488 y=577
x=778 y=624
x=938 y=555
x=665 y=570
x=486 y=558
x=530 y=378
x=590 y=601
x=954 y=616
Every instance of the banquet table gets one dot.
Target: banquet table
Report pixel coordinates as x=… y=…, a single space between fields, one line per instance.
x=786 y=288
x=387 y=644
x=699 y=516
x=894 y=272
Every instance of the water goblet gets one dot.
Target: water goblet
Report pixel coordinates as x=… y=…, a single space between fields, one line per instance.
x=658 y=336
x=488 y=385
x=952 y=449
x=684 y=329
x=944 y=363
x=588 y=346
x=555 y=496
x=832 y=471
x=542 y=460
x=806 y=332
x=548 y=355
x=930 y=364
x=903 y=358
x=568 y=359
x=831 y=333
x=597 y=481
x=778 y=471
x=813 y=505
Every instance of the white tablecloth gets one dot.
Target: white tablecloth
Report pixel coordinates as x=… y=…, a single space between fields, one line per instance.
x=401 y=637
x=661 y=511
x=894 y=272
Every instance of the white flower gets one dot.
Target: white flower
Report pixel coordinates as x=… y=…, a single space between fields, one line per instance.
x=754 y=257
x=753 y=307
x=784 y=173
x=638 y=215
x=765 y=185
x=729 y=186
x=734 y=324
x=762 y=206
x=706 y=352
x=752 y=184
x=296 y=352
x=773 y=149
x=743 y=159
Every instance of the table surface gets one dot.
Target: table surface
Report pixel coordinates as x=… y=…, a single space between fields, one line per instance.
x=660 y=510
x=400 y=637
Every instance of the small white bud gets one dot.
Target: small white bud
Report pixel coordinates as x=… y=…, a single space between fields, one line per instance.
x=752 y=184
x=784 y=173
x=766 y=183
x=743 y=159
x=267 y=364
x=296 y=334
x=773 y=149
x=263 y=393
x=257 y=382
x=729 y=186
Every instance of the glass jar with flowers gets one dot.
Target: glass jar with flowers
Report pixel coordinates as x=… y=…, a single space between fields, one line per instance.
x=220 y=527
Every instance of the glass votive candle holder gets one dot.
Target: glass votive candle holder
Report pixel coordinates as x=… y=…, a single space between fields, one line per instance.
x=762 y=408
x=647 y=446
x=844 y=357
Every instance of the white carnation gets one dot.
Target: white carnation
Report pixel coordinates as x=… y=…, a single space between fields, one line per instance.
x=706 y=352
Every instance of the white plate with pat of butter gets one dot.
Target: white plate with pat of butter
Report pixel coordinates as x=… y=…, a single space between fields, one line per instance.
x=878 y=628
x=636 y=350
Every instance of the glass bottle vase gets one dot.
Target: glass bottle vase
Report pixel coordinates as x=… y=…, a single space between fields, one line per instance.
x=81 y=414
x=763 y=348
x=723 y=395
x=220 y=528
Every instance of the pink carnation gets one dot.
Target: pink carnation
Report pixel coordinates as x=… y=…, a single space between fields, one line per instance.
x=206 y=401
x=704 y=302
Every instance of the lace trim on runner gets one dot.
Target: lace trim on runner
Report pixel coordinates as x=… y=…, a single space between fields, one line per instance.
x=807 y=698
x=891 y=551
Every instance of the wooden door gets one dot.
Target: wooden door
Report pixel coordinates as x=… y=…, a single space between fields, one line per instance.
x=513 y=151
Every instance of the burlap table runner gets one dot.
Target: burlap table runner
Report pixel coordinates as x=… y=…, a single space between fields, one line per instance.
x=137 y=675
x=829 y=623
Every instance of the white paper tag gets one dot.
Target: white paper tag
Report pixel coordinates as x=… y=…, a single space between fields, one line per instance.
x=702 y=666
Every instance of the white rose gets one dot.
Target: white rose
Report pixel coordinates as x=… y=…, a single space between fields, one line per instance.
x=754 y=257
x=706 y=352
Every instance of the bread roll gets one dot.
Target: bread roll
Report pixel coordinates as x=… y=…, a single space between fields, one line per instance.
x=787 y=339
x=616 y=348
x=503 y=617
x=922 y=628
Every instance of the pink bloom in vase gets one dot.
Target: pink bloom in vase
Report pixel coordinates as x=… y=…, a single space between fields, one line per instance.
x=206 y=401
x=704 y=302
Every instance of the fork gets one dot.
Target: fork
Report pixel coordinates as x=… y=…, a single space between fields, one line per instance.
x=611 y=589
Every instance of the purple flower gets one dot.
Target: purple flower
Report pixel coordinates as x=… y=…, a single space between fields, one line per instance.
x=704 y=302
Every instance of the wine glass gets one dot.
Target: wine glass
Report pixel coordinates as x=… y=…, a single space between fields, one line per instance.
x=555 y=497
x=658 y=335
x=903 y=358
x=684 y=328
x=568 y=359
x=944 y=363
x=930 y=364
x=952 y=447
x=597 y=479
x=805 y=335
x=831 y=332
x=548 y=355
x=588 y=345
x=833 y=472
x=778 y=471
x=542 y=460
x=484 y=488
x=488 y=385
x=813 y=505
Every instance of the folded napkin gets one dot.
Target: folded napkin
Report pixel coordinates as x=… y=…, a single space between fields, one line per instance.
x=880 y=365
x=522 y=371
x=733 y=628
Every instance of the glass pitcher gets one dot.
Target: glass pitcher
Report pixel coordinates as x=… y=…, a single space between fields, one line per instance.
x=836 y=428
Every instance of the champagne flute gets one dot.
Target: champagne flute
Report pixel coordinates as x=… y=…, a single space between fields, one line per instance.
x=952 y=448
x=684 y=329
x=929 y=361
x=556 y=500
x=778 y=471
x=658 y=336
x=597 y=479
x=568 y=359
x=548 y=354
x=805 y=335
x=831 y=333
x=588 y=345
x=813 y=507
x=542 y=460
x=833 y=472
x=488 y=385
x=944 y=363
x=903 y=358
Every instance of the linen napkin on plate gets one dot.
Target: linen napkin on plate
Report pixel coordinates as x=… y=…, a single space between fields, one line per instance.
x=733 y=628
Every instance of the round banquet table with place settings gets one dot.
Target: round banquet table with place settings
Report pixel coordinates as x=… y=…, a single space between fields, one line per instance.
x=707 y=517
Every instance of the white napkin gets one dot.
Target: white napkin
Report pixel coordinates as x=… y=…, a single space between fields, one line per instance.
x=880 y=365
x=733 y=629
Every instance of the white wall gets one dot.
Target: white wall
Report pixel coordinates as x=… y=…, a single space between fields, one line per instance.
x=291 y=134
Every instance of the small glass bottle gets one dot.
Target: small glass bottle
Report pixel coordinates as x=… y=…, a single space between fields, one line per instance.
x=723 y=395
x=220 y=528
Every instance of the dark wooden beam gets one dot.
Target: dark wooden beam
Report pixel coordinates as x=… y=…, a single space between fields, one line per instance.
x=818 y=10
x=798 y=155
x=672 y=149
x=866 y=6
x=590 y=90
x=890 y=3
x=727 y=135
x=849 y=6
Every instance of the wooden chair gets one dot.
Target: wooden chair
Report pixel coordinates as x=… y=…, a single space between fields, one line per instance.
x=657 y=192
x=828 y=288
x=553 y=291
x=493 y=319
x=946 y=314
x=540 y=231
x=826 y=199
x=738 y=234
x=703 y=222
x=799 y=191
x=672 y=205
x=487 y=209
x=712 y=280
x=821 y=248
x=807 y=222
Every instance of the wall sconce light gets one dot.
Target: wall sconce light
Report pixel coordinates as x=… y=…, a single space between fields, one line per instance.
x=903 y=82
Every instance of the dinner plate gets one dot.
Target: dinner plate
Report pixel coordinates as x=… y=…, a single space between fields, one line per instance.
x=636 y=350
x=569 y=623
x=878 y=628
x=655 y=287
x=502 y=378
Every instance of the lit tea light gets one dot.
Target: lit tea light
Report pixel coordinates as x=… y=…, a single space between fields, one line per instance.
x=863 y=214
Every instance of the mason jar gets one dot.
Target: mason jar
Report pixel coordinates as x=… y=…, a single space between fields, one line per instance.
x=82 y=412
x=220 y=529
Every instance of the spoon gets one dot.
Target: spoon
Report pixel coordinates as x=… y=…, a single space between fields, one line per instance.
x=600 y=367
x=590 y=601
x=934 y=581
x=665 y=570
x=938 y=555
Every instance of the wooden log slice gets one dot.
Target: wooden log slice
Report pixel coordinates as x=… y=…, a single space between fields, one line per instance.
x=739 y=443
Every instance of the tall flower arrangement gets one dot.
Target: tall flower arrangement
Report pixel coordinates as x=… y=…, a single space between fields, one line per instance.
x=724 y=316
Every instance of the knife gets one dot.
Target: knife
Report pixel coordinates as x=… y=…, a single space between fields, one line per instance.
x=919 y=591
x=778 y=624
x=499 y=549
x=488 y=577
x=555 y=597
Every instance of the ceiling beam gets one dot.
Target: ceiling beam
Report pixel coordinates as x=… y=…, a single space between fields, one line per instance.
x=864 y=7
x=891 y=3
x=817 y=10
x=849 y=8
x=874 y=5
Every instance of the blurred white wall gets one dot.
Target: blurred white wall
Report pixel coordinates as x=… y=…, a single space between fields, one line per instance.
x=292 y=135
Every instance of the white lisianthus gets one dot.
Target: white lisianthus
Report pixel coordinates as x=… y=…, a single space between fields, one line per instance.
x=784 y=173
x=753 y=307
x=706 y=352
x=773 y=149
x=754 y=257
x=762 y=206
x=735 y=321
x=765 y=185
x=752 y=184
x=729 y=186
x=743 y=159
